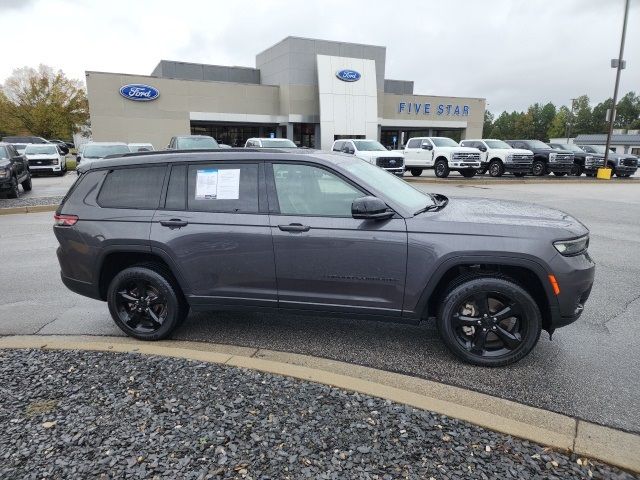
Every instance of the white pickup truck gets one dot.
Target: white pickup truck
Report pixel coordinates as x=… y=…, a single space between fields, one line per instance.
x=499 y=157
x=372 y=151
x=442 y=154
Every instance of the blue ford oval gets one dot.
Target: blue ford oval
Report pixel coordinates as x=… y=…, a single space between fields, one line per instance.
x=139 y=92
x=348 y=75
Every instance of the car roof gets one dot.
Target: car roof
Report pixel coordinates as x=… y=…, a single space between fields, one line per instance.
x=105 y=143
x=268 y=138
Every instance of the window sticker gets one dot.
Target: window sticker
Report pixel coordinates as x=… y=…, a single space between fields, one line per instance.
x=214 y=184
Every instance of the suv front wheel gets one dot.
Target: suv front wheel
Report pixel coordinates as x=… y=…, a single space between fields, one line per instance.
x=442 y=168
x=145 y=302
x=538 y=168
x=488 y=321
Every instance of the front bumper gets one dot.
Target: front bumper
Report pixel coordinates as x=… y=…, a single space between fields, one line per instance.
x=45 y=169
x=560 y=167
x=464 y=165
x=517 y=167
x=5 y=183
x=396 y=171
x=575 y=278
x=625 y=170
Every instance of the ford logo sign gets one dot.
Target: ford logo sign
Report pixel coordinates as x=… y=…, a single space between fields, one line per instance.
x=348 y=75
x=139 y=92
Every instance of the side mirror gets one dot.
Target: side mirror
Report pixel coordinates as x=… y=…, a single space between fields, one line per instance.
x=78 y=158
x=482 y=148
x=370 y=208
x=427 y=146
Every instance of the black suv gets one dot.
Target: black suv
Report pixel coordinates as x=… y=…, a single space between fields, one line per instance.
x=157 y=234
x=545 y=158
x=14 y=171
x=583 y=162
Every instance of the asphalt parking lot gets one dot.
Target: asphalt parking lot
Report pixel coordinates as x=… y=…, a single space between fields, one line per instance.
x=591 y=369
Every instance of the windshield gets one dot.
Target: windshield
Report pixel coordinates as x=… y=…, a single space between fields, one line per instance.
x=600 y=149
x=140 y=147
x=498 y=144
x=444 y=142
x=196 y=143
x=369 y=146
x=393 y=187
x=101 y=151
x=570 y=147
x=537 y=144
x=4 y=154
x=40 y=149
x=20 y=146
x=284 y=143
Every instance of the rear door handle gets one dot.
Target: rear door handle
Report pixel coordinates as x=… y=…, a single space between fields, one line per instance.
x=294 y=227
x=174 y=223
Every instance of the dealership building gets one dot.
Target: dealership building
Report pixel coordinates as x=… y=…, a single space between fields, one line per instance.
x=310 y=91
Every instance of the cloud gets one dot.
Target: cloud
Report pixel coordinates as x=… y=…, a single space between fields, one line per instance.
x=6 y=5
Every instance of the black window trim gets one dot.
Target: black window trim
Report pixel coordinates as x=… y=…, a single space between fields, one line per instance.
x=125 y=167
x=272 y=194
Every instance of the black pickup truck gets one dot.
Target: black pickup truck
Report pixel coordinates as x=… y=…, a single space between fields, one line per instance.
x=14 y=171
x=583 y=162
x=545 y=158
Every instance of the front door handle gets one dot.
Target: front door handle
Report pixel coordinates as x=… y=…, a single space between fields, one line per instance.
x=294 y=227
x=174 y=223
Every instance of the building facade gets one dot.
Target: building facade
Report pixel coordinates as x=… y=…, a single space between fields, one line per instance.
x=310 y=91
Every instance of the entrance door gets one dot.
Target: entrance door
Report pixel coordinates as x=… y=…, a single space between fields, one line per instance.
x=325 y=259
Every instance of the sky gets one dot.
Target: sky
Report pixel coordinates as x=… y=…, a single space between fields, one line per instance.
x=513 y=53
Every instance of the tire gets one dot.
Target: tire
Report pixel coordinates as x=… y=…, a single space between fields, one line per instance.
x=416 y=172
x=538 y=168
x=496 y=169
x=169 y=310
x=15 y=191
x=26 y=185
x=442 y=168
x=481 y=171
x=467 y=173
x=559 y=174
x=577 y=170
x=491 y=342
x=519 y=174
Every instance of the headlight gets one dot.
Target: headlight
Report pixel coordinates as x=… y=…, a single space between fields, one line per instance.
x=4 y=173
x=552 y=157
x=589 y=159
x=569 y=248
x=509 y=157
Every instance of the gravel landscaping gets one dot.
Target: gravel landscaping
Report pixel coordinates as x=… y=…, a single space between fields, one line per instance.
x=74 y=414
x=26 y=201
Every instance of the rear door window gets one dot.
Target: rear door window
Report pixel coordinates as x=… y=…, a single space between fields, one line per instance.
x=223 y=187
x=137 y=188
x=414 y=143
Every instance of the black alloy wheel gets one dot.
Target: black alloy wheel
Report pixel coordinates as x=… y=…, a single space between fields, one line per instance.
x=496 y=169
x=145 y=302
x=538 y=168
x=576 y=170
x=489 y=322
x=442 y=169
x=481 y=171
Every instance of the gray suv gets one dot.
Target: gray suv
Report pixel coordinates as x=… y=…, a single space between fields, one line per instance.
x=158 y=234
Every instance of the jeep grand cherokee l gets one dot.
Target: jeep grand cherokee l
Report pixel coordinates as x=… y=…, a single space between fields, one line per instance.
x=157 y=234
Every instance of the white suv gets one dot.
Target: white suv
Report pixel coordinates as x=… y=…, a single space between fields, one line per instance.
x=499 y=157
x=442 y=154
x=269 y=143
x=45 y=157
x=373 y=152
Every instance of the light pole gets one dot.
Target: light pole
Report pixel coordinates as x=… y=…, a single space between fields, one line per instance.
x=619 y=66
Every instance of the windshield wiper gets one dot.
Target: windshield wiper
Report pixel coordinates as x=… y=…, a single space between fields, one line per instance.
x=439 y=202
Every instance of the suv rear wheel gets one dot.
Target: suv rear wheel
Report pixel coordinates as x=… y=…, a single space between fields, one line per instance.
x=145 y=302
x=489 y=321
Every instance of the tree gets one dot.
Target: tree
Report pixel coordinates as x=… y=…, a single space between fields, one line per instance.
x=582 y=116
x=627 y=110
x=599 y=122
x=45 y=103
x=547 y=114
x=558 y=126
x=488 y=123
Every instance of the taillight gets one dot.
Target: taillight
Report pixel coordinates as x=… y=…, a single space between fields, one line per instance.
x=65 y=220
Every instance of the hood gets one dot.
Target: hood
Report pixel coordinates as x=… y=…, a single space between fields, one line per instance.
x=4 y=163
x=482 y=216
x=518 y=151
x=41 y=155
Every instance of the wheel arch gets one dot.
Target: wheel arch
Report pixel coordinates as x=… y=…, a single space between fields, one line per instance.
x=441 y=157
x=497 y=159
x=528 y=273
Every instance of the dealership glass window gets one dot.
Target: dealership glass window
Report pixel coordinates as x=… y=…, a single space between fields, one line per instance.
x=635 y=151
x=304 y=134
x=386 y=138
x=235 y=135
x=228 y=187
x=307 y=190
x=137 y=188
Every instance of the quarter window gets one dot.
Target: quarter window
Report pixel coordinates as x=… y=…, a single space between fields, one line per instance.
x=217 y=187
x=137 y=188
x=307 y=190
x=337 y=147
x=177 y=189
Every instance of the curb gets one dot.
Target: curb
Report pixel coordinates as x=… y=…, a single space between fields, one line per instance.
x=28 y=209
x=548 y=428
